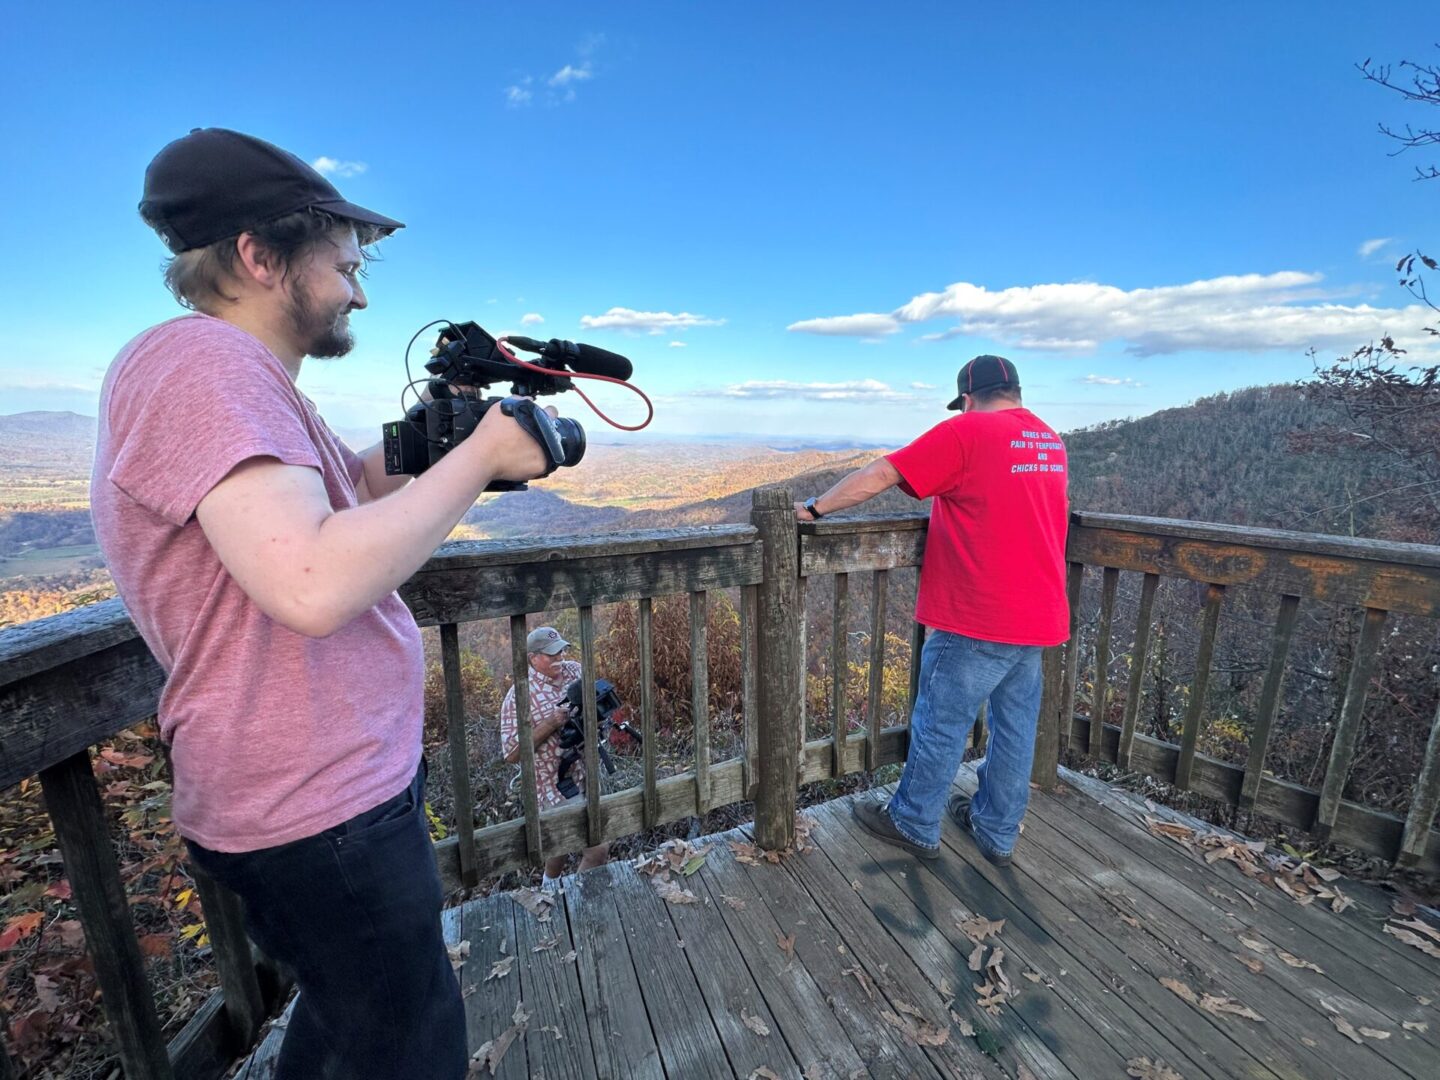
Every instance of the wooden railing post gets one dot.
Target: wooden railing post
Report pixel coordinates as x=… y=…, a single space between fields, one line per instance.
x=84 y=839
x=780 y=661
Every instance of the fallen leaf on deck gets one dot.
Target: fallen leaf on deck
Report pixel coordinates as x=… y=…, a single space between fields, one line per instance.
x=733 y=902
x=966 y=1028
x=1130 y=920
x=754 y=1023
x=1340 y=903
x=1250 y=962
x=1409 y=938
x=553 y=1030
x=536 y=902
x=459 y=953
x=977 y=958
x=696 y=861
x=1294 y=961
x=745 y=853
x=915 y=1027
x=672 y=893
x=1345 y=1028
x=1255 y=946
x=1403 y=906
x=1144 y=1069
x=863 y=979
x=1374 y=1033
x=1211 y=1003
x=487 y=1058
x=786 y=944
x=546 y=945
x=568 y=958
x=812 y=1072
x=855 y=885
x=500 y=968
x=1416 y=1025
x=762 y=1073
x=979 y=928
x=1424 y=927
x=1033 y=976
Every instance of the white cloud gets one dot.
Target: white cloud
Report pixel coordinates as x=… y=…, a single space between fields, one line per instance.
x=858 y=390
x=1240 y=313
x=567 y=75
x=531 y=319
x=518 y=94
x=1111 y=380
x=653 y=322
x=677 y=344
x=1370 y=247
x=865 y=324
x=922 y=386
x=329 y=166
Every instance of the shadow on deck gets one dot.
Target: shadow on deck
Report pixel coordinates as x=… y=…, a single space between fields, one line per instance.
x=616 y=982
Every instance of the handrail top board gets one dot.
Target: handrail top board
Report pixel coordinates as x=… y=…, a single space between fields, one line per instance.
x=1241 y=535
x=858 y=523
x=460 y=554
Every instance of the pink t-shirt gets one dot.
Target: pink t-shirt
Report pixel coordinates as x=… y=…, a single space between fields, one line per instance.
x=274 y=736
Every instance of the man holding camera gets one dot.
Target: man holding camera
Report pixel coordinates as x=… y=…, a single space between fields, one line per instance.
x=259 y=557
x=550 y=675
x=992 y=590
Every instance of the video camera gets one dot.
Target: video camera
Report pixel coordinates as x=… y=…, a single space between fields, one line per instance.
x=572 y=735
x=466 y=359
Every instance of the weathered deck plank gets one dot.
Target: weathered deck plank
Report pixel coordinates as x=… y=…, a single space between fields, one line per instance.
x=614 y=1000
x=1098 y=910
x=684 y=1032
x=776 y=911
x=1206 y=943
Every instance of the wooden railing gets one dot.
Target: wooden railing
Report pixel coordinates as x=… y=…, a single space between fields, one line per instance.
x=79 y=678
x=1378 y=580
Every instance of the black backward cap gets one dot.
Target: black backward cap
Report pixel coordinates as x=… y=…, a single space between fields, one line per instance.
x=984 y=373
x=215 y=183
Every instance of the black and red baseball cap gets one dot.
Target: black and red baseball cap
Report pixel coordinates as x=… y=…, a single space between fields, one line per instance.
x=985 y=372
x=214 y=183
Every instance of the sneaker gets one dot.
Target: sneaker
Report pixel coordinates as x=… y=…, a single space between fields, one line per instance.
x=875 y=819
x=959 y=808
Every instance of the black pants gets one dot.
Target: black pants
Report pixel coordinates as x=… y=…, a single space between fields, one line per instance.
x=353 y=912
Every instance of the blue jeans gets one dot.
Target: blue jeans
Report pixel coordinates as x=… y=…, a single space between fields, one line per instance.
x=957 y=675
x=354 y=913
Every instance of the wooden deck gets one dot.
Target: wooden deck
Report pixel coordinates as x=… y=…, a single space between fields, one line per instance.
x=616 y=982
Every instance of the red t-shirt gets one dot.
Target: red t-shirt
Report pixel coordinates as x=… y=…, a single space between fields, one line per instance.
x=995 y=555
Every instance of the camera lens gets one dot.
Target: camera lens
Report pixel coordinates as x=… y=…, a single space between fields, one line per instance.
x=572 y=436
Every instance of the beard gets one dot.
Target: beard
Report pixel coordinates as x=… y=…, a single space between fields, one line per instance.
x=321 y=333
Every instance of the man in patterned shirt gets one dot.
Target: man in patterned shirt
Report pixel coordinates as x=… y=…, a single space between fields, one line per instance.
x=550 y=674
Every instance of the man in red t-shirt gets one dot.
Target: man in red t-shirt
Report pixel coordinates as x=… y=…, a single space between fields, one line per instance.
x=992 y=588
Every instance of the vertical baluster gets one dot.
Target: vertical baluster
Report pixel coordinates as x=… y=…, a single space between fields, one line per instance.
x=804 y=667
x=1342 y=751
x=529 y=797
x=1138 y=659
x=749 y=663
x=917 y=650
x=1214 y=596
x=877 y=669
x=1427 y=800
x=1075 y=580
x=594 y=830
x=234 y=957
x=83 y=835
x=773 y=514
x=1269 y=701
x=700 y=698
x=459 y=753
x=1109 y=583
x=647 y=711
x=839 y=670
x=1044 y=770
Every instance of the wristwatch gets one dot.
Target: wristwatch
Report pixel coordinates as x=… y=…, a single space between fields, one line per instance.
x=810 y=505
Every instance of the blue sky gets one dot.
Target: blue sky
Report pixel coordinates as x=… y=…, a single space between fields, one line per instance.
x=797 y=219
